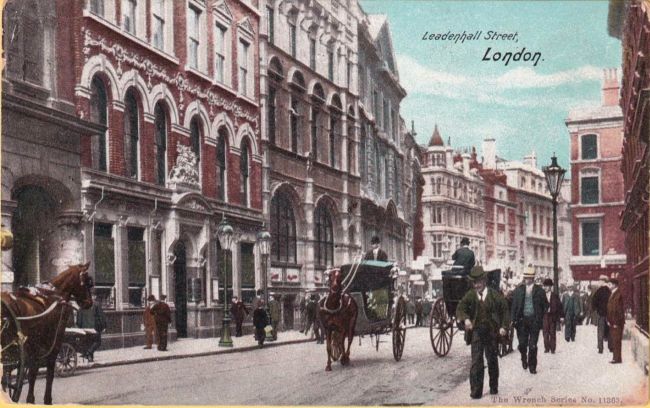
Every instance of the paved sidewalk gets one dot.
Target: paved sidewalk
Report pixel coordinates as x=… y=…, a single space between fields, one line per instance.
x=575 y=375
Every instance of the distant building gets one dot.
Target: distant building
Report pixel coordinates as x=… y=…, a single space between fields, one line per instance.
x=597 y=194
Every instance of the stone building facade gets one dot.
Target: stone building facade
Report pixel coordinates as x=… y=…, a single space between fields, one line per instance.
x=452 y=201
x=597 y=196
x=172 y=89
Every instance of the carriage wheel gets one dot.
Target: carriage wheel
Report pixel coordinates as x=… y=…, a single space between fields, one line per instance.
x=66 y=361
x=441 y=328
x=399 y=329
x=12 y=354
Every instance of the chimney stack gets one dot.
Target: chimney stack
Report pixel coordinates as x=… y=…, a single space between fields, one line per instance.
x=611 y=87
x=489 y=154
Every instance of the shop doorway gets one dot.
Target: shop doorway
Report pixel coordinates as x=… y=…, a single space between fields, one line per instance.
x=180 y=286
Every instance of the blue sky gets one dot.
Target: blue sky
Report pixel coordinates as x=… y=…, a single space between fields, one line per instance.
x=520 y=105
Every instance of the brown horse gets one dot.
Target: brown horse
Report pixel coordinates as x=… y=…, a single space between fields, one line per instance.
x=338 y=315
x=43 y=313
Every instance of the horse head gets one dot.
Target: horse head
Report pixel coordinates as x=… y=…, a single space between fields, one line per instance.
x=335 y=280
x=75 y=282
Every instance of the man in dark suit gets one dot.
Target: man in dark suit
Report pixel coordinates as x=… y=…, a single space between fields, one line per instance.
x=528 y=306
x=599 y=304
x=376 y=253
x=239 y=313
x=552 y=316
x=485 y=314
x=572 y=306
x=616 y=320
x=464 y=256
x=163 y=317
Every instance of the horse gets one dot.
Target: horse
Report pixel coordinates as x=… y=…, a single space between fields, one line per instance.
x=43 y=312
x=338 y=315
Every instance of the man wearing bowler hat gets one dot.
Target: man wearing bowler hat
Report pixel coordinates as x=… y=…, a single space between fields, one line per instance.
x=485 y=314
x=464 y=256
x=376 y=253
x=599 y=304
x=163 y=317
x=616 y=320
x=528 y=306
x=552 y=316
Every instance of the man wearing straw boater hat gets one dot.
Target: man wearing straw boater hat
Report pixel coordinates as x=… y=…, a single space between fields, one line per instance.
x=484 y=312
x=599 y=304
x=528 y=306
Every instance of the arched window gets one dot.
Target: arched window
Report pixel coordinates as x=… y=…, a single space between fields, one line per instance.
x=244 y=169
x=131 y=135
x=324 y=245
x=222 y=163
x=195 y=139
x=99 y=115
x=283 y=230
x=333 y=138
x=351 y=152
x=160 y=145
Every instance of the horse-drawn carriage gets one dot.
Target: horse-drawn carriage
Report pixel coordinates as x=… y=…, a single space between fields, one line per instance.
x=362 y=301
x=443 y=324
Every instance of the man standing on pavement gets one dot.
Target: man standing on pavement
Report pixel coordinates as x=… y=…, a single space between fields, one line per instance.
x=418 y=312
x=616 y=320
x=599 y=304
x=274 y=311
x=260 y=321
x=163 y=317
x=149 y=322
x=464 y=257
x=552 y=316
x=239 y=312
x=485 y=314
x=528 y=306
x=312 y=311
x=376 y=253
x=572 y=310
x=92 y=318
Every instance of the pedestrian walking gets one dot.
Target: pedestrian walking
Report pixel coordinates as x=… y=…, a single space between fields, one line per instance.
x=485 y=314
x=599 y=304
x=274 y=312
x=419 y=309
x=376 y=253
x=616 y=320
x=260 y=321
x=552 y=316
x=163 y=317
x=92 y=318
x=528 y=306
x=149 y=323
x=410 y=311
x=572 y=310
x=586 y=306
x=239 y=312
x=311 y=310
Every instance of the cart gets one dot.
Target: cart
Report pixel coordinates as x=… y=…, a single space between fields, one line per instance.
x=381 y=310
x=443 y=324
x=74 y=341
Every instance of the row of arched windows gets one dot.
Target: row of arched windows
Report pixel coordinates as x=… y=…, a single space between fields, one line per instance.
x=283 y=231
x=131 y=134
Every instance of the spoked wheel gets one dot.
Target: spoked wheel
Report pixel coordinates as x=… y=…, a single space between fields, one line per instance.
x=12 y=354
x=399 y=329
x=66 y=361
x=441 y=328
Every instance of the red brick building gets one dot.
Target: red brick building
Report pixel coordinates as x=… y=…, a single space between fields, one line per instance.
x=176 y=85
x=597 y=190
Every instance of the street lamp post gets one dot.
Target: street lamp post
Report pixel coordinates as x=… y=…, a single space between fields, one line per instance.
x=225 y=235
x=554 y=177
x=264 y=242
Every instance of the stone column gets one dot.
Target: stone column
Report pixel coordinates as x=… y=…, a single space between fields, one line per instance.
x=8 y=208
x=308 y=208
x=121 y=265
x=70 y=245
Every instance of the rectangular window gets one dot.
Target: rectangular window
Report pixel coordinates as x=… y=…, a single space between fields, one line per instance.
x=104 y=264
x=294 y=125
x=589 y=190
x=247 y=272
x=97 y=7
x=312 y=53
x=193 y=18
x=220 y=54
x=590 y=238
x=136 y=265
x=330 y=65
x=243 y=67
x=159 y=24
x=292 y=39
x=314 y=134
x=271 y=116
x=270 y=19
x=129 y=16
x=589 y=147
x=437 y=246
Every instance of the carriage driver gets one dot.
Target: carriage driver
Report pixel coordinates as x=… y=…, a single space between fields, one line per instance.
x=464 y=257
x=485 y=314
